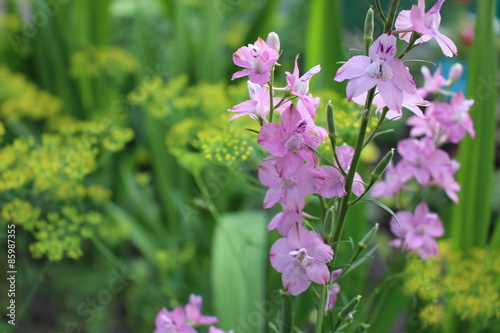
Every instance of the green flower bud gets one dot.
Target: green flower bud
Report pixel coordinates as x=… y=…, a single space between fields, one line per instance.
x=382 y=165
x=330 y=121
x=368 y=237
x=346 y=312
x=368 y=33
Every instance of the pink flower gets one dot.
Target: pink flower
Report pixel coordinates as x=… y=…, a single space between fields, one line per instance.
x=288 y=191
x=172 y=322
x=454 y=118
x=181 y=319
x=257 y=59
x=432 y=82
x=380 y=69
x=446 y=122
x=418 y=231
x=426 y=24
x=393 y=182
x=289 y=142
x=422 y=160
x=285 y=219
x=258 y=107
x=300 y=87
x=301 y=257
x=333 y=181
x=193 y=312
x=333 y=291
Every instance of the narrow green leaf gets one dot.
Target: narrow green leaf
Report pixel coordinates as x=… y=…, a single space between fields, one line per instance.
x=238 y=270
x=383 y=206
x=138 y=235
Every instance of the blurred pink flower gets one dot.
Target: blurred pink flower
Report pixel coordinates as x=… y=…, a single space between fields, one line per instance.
x=380 y=69
x=417 y=232
x=333 y=181
x=425 y=23
x=393 y=181
x=432 y=82
x=257 y=59
x=301 y=257
x=333 y=291
x=445 y=122
x=181 y=319
x=213 y=329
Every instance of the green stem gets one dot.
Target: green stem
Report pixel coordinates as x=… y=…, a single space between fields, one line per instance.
x=344 y=202
x=379 y=11
x=271 y=106
x=411 y=44
x=377 y=127
x=391 y=16
x=321 y=309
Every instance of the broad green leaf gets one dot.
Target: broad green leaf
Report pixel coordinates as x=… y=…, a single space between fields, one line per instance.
x=324 y=44
x=238 y=271
x=471 y=217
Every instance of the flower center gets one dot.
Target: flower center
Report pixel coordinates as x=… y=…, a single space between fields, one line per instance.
x=302 y=256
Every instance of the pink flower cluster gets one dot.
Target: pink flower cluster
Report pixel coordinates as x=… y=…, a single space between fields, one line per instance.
x=292 y=171
x=417 y=232
x=422 y=159
x=425 y=163
x=183 y=319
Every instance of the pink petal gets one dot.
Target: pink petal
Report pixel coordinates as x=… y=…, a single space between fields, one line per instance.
x=354 y=67
x=319 y=273
x=295 y=279
x=272 y=137
x=243 y=72
x=391 y=94
x=298 y=237
x=259 y=78
x=290 y=164
x=359 y=85
x=272 y=197
x=279 y=255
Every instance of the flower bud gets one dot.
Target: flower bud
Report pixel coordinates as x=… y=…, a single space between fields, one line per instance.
x=368 y=237
x=455 y=72
x=382 y=165
x=368 y=33
x=346 y=312
x=273 y=41
x=330 y=122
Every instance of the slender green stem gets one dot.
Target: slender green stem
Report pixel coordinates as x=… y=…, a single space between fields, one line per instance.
x=344 y=202
x=321 y=309
x=391 y=16
x=411 y=44
x=377 y=127
x=271 y=106
x=34 y=288
x=379 y=11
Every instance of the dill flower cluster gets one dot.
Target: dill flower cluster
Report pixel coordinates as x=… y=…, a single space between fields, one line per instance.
x=20 y=98
x=112 y=61
x=45 y=189
x=465 y=282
